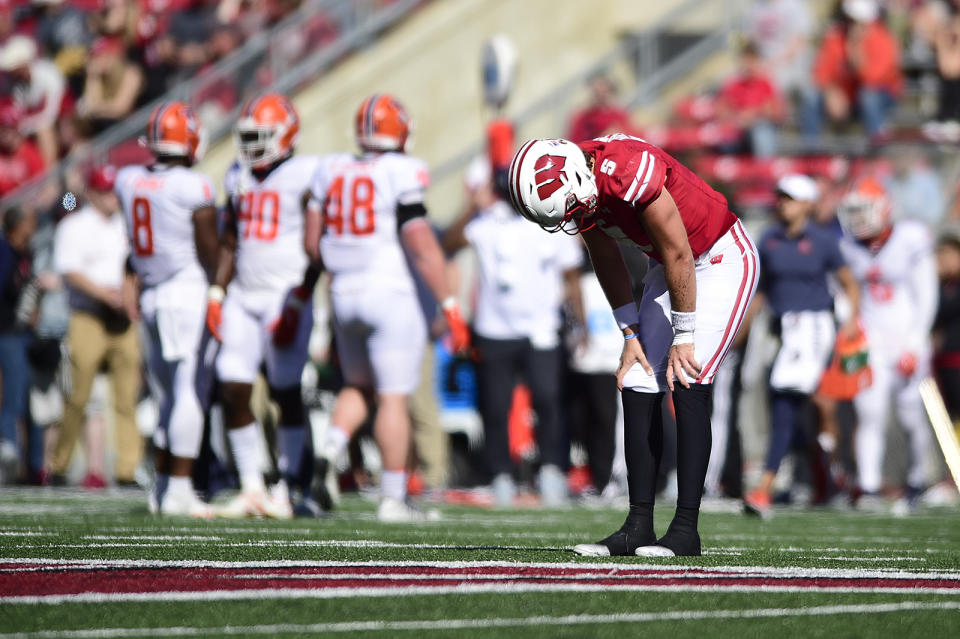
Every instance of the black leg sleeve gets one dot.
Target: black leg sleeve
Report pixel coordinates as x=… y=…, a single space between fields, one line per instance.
x=693 y=406
x=643 y=444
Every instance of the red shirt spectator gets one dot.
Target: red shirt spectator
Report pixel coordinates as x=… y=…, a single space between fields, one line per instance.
x=603 y=115
x=854 y=55
x=19 y=159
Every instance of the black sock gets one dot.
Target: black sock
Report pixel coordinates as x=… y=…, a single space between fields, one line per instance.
x=643 y=443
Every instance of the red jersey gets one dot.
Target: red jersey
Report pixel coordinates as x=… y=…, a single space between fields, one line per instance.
x=19 y=167
x=631 y=173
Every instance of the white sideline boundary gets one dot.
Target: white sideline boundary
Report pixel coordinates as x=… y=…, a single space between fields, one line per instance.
x=496 y=622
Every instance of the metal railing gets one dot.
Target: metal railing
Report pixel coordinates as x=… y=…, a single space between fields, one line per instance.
x=654 y=61
x=292 y=53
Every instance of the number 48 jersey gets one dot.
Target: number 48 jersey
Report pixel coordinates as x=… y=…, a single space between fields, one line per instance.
x=158 y=204
x=359 y=198
x=270 y=254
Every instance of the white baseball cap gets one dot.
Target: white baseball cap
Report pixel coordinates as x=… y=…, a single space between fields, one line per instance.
x=861 y=10
x=19 y=51
x=798 y=187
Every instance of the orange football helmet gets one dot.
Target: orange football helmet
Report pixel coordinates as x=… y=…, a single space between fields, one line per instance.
x=267 y=130
x=866 y=211
x=382 y=124
x=174 y=131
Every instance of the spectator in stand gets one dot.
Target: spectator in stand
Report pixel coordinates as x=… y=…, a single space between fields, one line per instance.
x=947 y=324
x=63 y=32
x=522 y=276
x=781 y=30
x=192 y=28
x=914 y=186
x=857 y=70
x=38 y=87
x=20 y=160
x=90 y=253
x=947 y=126
x=752 y=102
x=603 y=115
x=15 y=278
x=113 y=84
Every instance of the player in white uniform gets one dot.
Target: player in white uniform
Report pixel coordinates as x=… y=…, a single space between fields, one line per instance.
x=896 y=268
x=369 y=212
x=172 y=226
x=265 y=316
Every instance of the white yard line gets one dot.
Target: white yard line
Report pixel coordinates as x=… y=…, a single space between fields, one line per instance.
x=461 y=589
x=495 y=622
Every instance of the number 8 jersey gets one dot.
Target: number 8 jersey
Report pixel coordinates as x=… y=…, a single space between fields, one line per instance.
x=269 y=215
x=158 y=204
x=359 y=196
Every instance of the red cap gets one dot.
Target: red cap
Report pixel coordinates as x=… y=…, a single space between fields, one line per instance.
x=10 y=113
x=102 y=177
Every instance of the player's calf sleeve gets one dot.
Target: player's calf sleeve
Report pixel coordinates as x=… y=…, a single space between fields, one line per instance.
x=693 y=407
x=246 y=455
x=290 y=401
x=290 y=444
x=643 y=445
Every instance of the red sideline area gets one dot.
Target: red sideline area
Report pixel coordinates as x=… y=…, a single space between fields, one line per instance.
x=43 y=579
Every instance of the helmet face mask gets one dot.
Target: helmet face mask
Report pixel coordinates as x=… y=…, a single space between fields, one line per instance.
x=266 y=131
x=551 y=184
x=864 y=213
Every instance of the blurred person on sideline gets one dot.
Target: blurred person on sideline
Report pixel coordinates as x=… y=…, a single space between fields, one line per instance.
x=112 y=87
x=16 y=274
x=602 y=115
x=946 y=126
x=367 y=223
x=914 y=186
x=523 y=276
x=260 y=304
x=895 y=266
x=702 y=276
x=20 y=160
x=751 y=101
x=171 y=224
x=90 y=253
x=782 y=31
x=947 y=324
x=796 y=258
x=38 y=87
x=64 y=33
x=857 y=71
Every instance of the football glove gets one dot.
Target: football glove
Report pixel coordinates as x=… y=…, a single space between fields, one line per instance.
x=459 y=331
x=215 y=311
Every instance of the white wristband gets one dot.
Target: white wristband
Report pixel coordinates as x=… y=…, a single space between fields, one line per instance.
x=216 y=293
x=448 y=303
x=625 y=315
x=683 y=322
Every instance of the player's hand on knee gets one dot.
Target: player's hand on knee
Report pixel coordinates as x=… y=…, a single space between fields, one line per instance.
x=632 y=354
x=215 y=311
x=680 y=363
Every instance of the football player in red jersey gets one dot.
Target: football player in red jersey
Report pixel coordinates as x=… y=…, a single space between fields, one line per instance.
x=703 y=274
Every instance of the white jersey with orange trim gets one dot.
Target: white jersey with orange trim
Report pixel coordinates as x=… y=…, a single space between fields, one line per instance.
x=359 y=196
x=898 y=289
x=270 y=254
x=158 y=204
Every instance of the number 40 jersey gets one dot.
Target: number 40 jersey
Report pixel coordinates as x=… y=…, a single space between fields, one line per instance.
x=270 y=253
x=158 y=203
x=359 y=196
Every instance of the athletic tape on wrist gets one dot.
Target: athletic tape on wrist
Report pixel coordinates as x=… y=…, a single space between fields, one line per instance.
x=682 y=337
x=625 y=315
x=216 y=293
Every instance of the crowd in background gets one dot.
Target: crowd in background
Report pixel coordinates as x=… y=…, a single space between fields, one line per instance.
x=71 y=69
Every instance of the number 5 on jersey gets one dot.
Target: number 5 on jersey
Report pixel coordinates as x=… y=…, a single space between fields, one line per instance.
x=360 y=220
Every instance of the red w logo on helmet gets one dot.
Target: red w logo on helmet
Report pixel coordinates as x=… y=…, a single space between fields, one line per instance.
x=548 y=170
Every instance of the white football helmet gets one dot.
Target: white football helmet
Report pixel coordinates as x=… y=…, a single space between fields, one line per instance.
x=550 y=183
x=865 y=212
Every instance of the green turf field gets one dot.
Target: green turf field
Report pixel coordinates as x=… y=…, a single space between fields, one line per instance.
x=74 y=564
